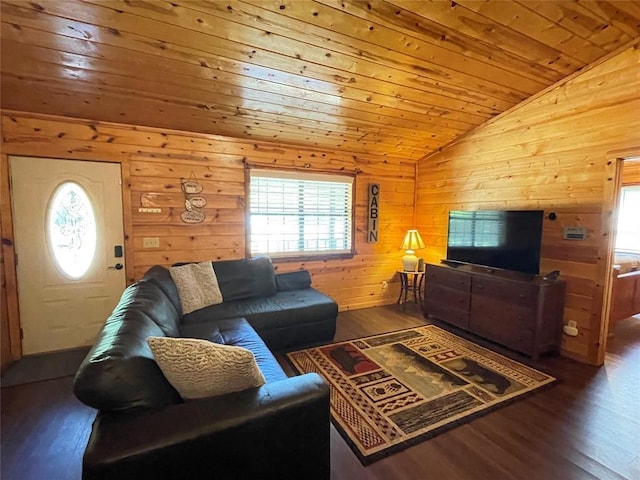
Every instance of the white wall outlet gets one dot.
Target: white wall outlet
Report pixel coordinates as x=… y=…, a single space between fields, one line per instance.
x=150 y=242
x=571 y=328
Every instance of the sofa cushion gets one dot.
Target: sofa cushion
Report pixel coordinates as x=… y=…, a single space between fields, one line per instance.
x=197 y=286
x=148 y=299
x=297 y=280
x=238 y=332
x=291 y=307
x=204 y=331
x=280 y=319
x=198 y=368
x=119 y=372
x=245 y=278
x=279 y=310
x=161 y=277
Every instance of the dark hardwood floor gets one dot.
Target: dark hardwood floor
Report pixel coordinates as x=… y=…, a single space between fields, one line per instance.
x=587 y=426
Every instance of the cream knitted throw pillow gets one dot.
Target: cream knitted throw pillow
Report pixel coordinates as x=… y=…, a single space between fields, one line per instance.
x=197 y=286
x=199 y=368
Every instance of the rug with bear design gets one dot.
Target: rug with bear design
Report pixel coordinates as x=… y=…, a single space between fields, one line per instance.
x=393 y=390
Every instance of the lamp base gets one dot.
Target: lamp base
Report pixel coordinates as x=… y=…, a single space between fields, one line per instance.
x=410 y=262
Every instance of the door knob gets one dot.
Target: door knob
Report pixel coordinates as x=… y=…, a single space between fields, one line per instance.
x=117 y=266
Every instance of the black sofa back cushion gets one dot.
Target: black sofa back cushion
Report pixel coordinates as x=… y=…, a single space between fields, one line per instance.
x=245 y=278
x=148 y=298
x=298 y=280
x=161 y=277
x=119 y=372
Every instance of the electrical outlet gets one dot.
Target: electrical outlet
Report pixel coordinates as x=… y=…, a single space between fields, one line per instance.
x=150 y=242
x=571 y=328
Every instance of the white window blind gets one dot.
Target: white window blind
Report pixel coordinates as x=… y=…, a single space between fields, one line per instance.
x=300 y=214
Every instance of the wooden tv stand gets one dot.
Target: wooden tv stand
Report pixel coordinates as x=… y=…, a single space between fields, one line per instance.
x=522 y=312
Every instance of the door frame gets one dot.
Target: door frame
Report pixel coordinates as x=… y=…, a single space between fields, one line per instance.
x=8 y=238
x=9 y=262
x=610 y=205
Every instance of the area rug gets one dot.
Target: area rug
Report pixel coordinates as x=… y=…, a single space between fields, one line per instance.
x=391 y=391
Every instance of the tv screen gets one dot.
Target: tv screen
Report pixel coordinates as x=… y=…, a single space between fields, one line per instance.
x=507 y=239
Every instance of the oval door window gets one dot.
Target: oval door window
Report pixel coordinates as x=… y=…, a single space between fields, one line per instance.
x=71 y=228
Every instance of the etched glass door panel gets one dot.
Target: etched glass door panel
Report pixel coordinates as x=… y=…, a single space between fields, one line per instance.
x=71 y=228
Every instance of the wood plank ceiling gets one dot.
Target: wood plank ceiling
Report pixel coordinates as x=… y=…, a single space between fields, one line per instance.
x=401 y=78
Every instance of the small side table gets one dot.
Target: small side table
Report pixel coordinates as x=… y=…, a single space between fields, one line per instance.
x=410 y=282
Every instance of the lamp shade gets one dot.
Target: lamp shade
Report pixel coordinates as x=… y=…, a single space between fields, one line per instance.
x=412 y=241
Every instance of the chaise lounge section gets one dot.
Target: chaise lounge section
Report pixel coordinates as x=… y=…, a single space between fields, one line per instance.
x=145 y=429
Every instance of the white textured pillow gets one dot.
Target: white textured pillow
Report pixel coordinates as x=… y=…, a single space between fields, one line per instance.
x=197 y=286
x=199 y=368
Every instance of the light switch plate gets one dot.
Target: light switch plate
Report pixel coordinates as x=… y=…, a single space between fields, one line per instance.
x=150 y=242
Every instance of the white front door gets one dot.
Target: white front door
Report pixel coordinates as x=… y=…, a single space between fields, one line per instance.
x=67 y=218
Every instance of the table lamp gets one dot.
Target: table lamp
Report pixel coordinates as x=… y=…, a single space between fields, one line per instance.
x=412 y=241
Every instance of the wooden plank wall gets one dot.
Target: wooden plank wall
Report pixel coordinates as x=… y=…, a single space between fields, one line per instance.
x=631 y=172
x=557 y=153
x=153 y=162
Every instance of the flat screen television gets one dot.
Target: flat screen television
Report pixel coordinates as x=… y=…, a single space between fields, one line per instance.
x=506 y=239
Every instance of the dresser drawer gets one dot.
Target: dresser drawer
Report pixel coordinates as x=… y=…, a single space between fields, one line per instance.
x=500 y=312
x=504 y=291
x=509 y=324
x=437 y=293
x=447 y=313
x=448 y=277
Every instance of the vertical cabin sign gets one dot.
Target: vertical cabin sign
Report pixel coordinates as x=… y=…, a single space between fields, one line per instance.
x=374 y=212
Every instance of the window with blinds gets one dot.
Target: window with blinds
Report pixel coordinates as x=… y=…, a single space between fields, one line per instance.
x=300 y=213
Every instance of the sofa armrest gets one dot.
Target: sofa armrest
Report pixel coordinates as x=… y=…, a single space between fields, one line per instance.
x=279 y=430
x=297 y=280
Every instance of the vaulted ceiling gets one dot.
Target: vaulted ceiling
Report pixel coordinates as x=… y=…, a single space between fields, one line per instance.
x=398 y=77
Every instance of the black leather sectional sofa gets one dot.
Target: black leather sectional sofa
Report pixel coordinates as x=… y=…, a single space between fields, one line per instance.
x=145 y=430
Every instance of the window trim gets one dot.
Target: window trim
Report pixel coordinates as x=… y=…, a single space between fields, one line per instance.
x=296 y=174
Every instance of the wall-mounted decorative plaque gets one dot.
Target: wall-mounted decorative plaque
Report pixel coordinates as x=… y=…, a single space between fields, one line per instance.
x=192 y=203
x=373 y=213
